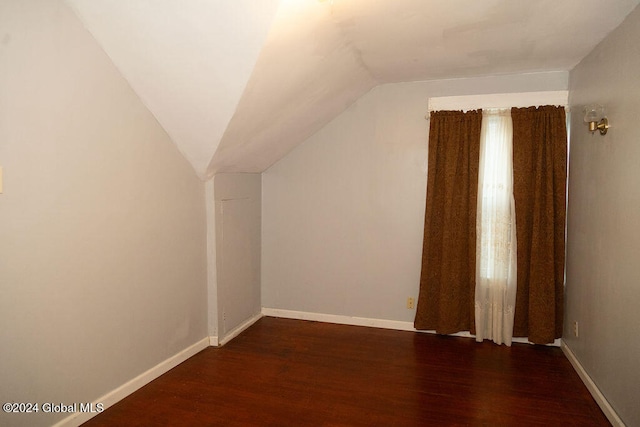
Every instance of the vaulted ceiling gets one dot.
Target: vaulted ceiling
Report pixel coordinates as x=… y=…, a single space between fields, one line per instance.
x=238 y=83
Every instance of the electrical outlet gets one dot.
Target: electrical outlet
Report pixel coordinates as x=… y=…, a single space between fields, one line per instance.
x=411 y=303
x=575 y=329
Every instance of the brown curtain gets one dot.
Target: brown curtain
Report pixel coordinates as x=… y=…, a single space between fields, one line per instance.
x=447 y=282
x=539 y=172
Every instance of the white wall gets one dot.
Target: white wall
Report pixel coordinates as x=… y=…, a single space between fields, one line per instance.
x=237 y=218
x=603 y=245
x=343 y=213
x=102 y=221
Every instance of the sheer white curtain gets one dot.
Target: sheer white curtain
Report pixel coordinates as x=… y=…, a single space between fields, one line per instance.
x=496 y=261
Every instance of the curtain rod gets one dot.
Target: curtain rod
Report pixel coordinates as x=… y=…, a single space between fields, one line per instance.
x=499 y=100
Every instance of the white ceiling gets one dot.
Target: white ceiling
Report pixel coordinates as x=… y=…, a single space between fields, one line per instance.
x=238 y=83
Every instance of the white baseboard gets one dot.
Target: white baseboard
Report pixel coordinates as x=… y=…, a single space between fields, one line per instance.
x=608 y=410
x=138 y=382
x=239 y=329
x=145 y=378
x=365 y=321
x=342 y=320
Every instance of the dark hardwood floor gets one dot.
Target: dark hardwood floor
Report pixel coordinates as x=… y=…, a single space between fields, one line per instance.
x=297 y=373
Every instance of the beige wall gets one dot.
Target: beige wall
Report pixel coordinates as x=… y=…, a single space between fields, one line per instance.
x=343 y=213
x=102 y=221
x=103 y=270
x=603 y=260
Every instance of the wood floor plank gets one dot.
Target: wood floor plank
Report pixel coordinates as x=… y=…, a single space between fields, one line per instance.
x=283 y=372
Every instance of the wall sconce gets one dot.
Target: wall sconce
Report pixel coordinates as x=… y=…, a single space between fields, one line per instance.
x=594 y=115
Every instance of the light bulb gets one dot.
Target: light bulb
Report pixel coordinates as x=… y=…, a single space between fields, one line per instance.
x=593 y=113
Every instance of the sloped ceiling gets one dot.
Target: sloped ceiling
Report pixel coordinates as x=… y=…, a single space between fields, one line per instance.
x=188 y=60
x=238 y=83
